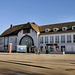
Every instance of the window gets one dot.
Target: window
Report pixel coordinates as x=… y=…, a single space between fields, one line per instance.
x=26 y=31
x=73 y=27
x=47 y=30
x=41 y=40
x=64 y=28
x=1 y=41
x=15 y=40
x=5 y=44
x=74 y=38
x=55 y=29
x=11 y=39
x=51 y=39
x=56 y=39
x=46 y=39
x=62 y=38
x=68 y=38
x=6 y=41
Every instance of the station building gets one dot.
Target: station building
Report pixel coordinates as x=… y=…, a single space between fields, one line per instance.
x=45 y=37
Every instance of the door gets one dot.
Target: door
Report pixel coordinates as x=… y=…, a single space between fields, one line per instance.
x=27 y=49
x=62 y=48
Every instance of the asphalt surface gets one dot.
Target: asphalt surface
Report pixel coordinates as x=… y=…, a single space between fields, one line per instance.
x=32 y=64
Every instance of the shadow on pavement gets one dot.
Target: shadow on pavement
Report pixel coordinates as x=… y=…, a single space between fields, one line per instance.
x=13 y=72
x=21 y=61
x=25 y=64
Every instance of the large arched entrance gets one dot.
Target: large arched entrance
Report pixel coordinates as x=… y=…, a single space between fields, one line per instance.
x=27 y=40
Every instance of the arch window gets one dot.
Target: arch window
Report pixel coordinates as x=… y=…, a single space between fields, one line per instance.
x=64 y=28
x=55 y=29
x=27 y=40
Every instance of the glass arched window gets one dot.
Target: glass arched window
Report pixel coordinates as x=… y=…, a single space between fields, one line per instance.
x=27 y=40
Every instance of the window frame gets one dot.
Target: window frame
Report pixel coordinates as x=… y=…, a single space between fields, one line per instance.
x=72 y=27
x=26 y=31
x=1 y=41
x=41 y=39
x=73 y=38
x=46 y=39
x=54 y=29
x=47 y=30
x=69 y=39
x=57 y=39
x=51 y=39
x=65 y=28
x=62 y=41
x=6 y=39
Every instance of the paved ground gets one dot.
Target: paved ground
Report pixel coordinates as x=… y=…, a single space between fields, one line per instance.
x=32 y=64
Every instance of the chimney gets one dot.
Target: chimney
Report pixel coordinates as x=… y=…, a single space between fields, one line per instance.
x=11 y=26
x=33 y=22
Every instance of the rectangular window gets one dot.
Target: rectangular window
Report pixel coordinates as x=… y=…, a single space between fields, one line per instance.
x=74 y=38
x=26 y=31
x=5 y=44
x=51 y=39
x=15 y=40
x=46 y=39
x=62 y=38
x=68 y=38
x=1 y=41
x=56 y=39
x=41 y=40
x=73 y=28
x=6 y=41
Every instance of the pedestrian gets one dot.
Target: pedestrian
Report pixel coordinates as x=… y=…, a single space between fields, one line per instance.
x=36 y=51
x=46 y=51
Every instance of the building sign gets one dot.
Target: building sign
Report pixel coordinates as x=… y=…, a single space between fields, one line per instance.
x=21 y=48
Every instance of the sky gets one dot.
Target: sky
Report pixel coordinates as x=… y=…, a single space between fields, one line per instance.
x=42 y=12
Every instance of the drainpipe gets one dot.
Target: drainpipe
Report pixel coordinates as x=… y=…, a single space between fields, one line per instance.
x=38 y=33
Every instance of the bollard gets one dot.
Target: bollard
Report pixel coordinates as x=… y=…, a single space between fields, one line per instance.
x=10 y=47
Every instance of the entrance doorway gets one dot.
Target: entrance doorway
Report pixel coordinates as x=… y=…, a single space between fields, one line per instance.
x=53 y=47
x=30 y=49
x=27 y=49
x=28 y=41
x=5 y=48
x=62 y=48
